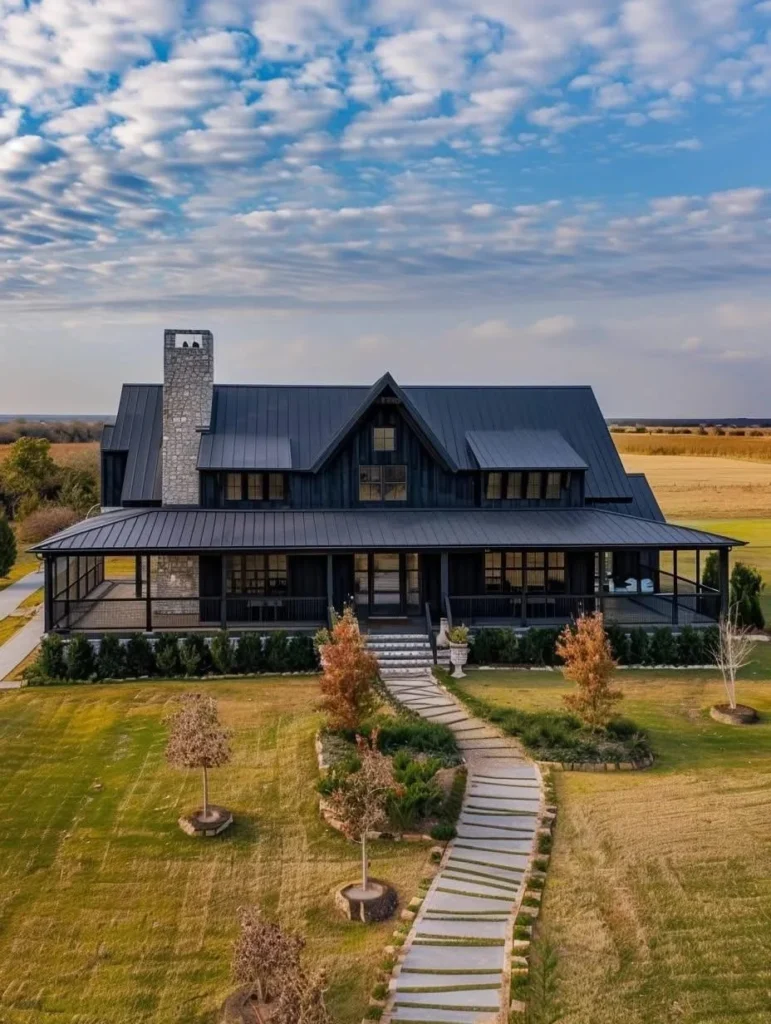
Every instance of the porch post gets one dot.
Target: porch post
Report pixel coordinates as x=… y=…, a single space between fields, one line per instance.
x=602 y=558
x=523 y=619
x=224 y=592
x=444 y=577
x=138 y=577
x=724 y=581
x=675 y=589
x=330 y=584
x=48 y=591
x=148 y=602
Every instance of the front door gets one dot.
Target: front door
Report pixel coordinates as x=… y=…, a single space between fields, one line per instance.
x=387 y=584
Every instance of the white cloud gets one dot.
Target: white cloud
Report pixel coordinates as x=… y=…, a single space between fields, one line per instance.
x=553 y=326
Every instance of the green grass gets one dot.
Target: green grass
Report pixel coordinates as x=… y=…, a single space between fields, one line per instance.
x=109 y=913
x=757 y=534
x=658 y=896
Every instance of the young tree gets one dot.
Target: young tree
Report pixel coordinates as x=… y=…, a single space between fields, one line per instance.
x=7 y=547
x=360 y=801
x=264 y=956
x=732 y=651
x=29 y=471
x=588 y=662
x=349 y=674
x=197 y=740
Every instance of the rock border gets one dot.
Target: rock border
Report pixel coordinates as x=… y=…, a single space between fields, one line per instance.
x=597 y=766
x=370 y=911
x=742 y=714
x=194 y=825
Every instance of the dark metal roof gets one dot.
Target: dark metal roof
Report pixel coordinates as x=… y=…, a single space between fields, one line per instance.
x=522 y=449
x=644 y=504
x=163 y=530
x=316 y=419
x=138 y=431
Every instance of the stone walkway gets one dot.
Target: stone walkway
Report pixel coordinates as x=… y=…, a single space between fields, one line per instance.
x=455 y=964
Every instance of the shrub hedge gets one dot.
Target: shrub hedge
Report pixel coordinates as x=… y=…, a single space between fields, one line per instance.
x=169 y=657
x=536 y=647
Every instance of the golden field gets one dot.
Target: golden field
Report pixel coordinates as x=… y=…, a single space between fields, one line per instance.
x=64 y=454
x=756 y=449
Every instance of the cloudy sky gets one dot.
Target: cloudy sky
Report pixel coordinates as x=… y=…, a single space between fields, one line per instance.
x=455 y=190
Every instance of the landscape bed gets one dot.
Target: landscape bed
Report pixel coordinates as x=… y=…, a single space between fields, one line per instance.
x=657 y=901
x=110 y=912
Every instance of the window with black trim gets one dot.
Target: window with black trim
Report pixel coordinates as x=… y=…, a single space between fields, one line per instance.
x=553 y=486
x=494 y=489
x=382 y=483
x=233 y=489
x=534 y=485
x=509 y=571
x=514 y=485
x=257 y=574
x=276 y=486
x=384 y=439
x=254 y=487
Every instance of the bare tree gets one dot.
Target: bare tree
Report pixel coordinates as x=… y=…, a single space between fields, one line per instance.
x=360 y=802
x=302 y=1000
x=732 y=651
x=265 y=958
x=197 y=740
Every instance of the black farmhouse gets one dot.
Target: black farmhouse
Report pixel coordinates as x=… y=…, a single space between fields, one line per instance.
x=265 y=506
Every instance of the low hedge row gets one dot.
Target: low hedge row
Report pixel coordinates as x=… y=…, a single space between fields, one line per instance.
x=537 y=647
x=169 y=657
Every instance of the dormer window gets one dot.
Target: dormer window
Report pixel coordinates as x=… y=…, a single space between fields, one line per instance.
x=534 y=485
x=494 y=486
x=254 y=487
x=384 y=439
x=382 y=483
x=514 y=486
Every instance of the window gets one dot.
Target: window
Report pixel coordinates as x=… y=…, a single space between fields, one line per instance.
x=382 y=483
x=494 y=486
x=257 y=574
x=384 y=439
x=534 y=485
x=535 y=562
x=276 y=486
x=233 y=487
x=513 y=575
x=514 y=486
x=395 y=483
x=556 y=572
x=254 y=486
x=553 y=486
x=493 y=561
x=370 y=483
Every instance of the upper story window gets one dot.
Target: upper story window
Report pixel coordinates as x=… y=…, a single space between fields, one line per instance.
x=384 y=439
x=382 y=483
x=254 y=487
x=534 y=485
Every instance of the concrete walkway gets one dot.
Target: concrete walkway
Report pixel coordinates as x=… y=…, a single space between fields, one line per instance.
x=21 y=644
x=455 y=964
x=14 y=594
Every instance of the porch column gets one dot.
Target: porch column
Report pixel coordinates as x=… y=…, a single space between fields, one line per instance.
x=224 y=592
x=724 y=581
x=48 y=591
x=148 y=602
x=523 y=619
x=138 y=577
x=330 y=584
x=444 y=577
x=602 y=559
x=675 y=590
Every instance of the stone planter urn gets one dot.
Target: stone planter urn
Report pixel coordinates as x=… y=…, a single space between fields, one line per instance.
x=442 y=640
x=458 y=658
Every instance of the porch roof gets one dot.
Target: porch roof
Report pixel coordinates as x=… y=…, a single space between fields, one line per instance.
x=154 y=530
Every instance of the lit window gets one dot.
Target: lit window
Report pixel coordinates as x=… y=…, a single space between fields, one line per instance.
x=277 y=574
x=514 y=486
x=494 y=486
x=276 y=486
x=370 y=483
x=556 y=572
x=513 y=576
x=384 y=439
x=536 y=570
x=233 y=487
x=492 y=572
x=533 y=485
x=553 y=485
x=395 y=483
x=254 y=486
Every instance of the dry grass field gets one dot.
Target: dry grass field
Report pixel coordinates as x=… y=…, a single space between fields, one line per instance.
x=756 y=449
x=658 y=899
x=688 y=487
x=64 y=454
x=109 y=913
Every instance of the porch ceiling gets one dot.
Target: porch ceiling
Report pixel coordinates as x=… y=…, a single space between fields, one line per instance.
x=167 y=530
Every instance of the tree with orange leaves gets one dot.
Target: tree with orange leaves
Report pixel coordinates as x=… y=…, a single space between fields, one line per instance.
x=588 y=662
x=349 y=674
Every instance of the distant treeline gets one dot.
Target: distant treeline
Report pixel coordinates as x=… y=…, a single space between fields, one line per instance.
x=55 y=431
x=740 y=421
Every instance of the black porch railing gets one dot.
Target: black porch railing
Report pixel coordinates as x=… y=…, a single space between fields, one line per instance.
x=632 y=609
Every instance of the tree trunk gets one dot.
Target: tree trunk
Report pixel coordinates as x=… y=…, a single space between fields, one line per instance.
x=205 y=794
x=364 y=872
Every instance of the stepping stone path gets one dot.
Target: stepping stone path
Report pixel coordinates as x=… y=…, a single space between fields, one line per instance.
x=454 y=967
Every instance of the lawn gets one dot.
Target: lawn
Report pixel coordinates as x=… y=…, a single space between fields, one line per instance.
x=108 y=912
x=659 y=893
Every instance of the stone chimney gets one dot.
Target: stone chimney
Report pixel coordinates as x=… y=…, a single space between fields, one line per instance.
x=188 y=388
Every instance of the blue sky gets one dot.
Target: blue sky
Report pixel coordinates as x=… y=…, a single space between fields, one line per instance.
x=455 y=190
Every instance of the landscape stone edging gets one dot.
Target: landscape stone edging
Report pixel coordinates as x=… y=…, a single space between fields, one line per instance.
x=597 y=766
x=621 y=668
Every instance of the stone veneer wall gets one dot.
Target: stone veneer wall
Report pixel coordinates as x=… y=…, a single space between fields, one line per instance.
x=188 y=389
x=176 y=577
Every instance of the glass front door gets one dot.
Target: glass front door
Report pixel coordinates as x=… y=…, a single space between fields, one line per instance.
x=387 y=584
